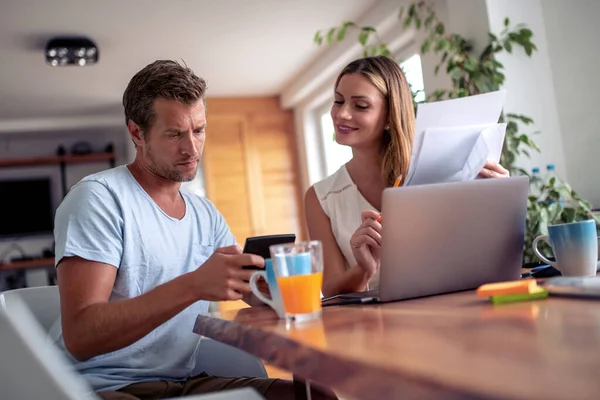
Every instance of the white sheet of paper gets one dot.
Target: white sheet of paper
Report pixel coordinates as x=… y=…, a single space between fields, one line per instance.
x=483 y=109
x=445 y=153
x=494 y=139
x=475 y=162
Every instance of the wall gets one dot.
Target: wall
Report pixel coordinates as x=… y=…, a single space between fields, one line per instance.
x=529 y=82
x=572 y=31
x=45 y=144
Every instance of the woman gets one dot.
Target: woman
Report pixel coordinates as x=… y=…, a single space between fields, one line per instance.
x=373 y=114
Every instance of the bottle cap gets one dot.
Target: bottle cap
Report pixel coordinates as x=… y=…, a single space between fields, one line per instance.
x=536 y=170
x=550 y=167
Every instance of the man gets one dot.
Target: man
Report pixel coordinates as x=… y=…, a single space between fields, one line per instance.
x=137 y=259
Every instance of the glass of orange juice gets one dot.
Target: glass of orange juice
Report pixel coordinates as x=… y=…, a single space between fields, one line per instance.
x=299 y=273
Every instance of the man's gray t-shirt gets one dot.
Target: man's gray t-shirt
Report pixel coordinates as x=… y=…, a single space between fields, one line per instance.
x=107 y=217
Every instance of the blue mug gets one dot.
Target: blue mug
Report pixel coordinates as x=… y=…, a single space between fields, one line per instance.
x=268 y=275
x=290 y=264
x=575 y=248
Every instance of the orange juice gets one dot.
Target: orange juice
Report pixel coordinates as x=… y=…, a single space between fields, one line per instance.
x=301 y=294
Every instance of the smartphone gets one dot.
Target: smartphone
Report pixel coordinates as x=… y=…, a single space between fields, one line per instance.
x=259 y=245
x=573 y=286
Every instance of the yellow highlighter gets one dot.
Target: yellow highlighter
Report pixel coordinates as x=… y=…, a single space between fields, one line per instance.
x=505 y=288
x=537 y=294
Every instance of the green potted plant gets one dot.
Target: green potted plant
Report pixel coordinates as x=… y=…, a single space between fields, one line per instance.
x=550 y=202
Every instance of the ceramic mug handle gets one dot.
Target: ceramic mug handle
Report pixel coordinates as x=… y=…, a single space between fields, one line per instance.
x=537 y=252
x=253 y=278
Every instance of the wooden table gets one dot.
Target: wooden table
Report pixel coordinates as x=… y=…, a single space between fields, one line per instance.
x=453 y=346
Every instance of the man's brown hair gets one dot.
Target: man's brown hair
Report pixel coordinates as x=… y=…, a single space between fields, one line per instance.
x=162 y=79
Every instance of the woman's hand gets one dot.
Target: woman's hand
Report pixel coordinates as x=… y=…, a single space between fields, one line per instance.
x=492 y=169
x=366 y=243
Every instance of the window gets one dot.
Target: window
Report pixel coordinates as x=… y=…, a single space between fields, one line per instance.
x=337 y=155
x=414 y=75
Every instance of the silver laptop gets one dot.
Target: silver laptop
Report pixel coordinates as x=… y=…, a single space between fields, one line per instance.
x=449 y=237
x=33 y=368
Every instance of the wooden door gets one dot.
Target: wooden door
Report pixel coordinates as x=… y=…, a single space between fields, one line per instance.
x=273 y=142
x=225 y=170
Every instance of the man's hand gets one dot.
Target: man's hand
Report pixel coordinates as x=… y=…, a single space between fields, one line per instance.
x=261 y=283
x=222 y=278
x=492 y=169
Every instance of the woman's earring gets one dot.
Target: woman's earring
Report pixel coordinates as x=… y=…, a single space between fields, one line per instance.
x=386 y=130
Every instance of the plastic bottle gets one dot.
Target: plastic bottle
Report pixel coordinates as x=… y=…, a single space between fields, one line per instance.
x=536 y=182
x=550 y=172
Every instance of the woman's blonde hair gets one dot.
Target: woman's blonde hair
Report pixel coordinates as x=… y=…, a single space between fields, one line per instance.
x=397 y=142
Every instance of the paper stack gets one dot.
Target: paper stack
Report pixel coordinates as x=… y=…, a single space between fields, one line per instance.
x=454 y=138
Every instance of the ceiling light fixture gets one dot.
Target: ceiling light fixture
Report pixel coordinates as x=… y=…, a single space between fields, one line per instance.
x=63 y=51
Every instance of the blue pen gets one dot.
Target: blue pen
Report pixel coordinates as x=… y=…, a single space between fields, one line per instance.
x=543 y=271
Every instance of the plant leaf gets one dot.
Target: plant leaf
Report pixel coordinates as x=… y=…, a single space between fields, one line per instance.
x=342 y=31
x=439 y=28
x=363 y=37
x=506 y=21
x=526 y=33
x=384 y=51
x=429 y=20
x=481 y=86
x=318 y=39
x=568 y=214
x=425 y=46
x=439 y=45
x=471 y=64
x=330 y=35
x=401 y=11
x=456 y=73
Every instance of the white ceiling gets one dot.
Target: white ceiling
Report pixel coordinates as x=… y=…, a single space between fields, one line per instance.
x=241 y=47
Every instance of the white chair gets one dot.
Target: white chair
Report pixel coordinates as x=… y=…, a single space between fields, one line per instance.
x=43 y=302
x=50 y=376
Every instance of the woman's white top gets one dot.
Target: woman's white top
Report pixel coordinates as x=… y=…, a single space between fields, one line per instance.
x=343 y=204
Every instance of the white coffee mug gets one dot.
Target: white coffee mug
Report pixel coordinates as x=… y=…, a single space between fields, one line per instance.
x=268 y=275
